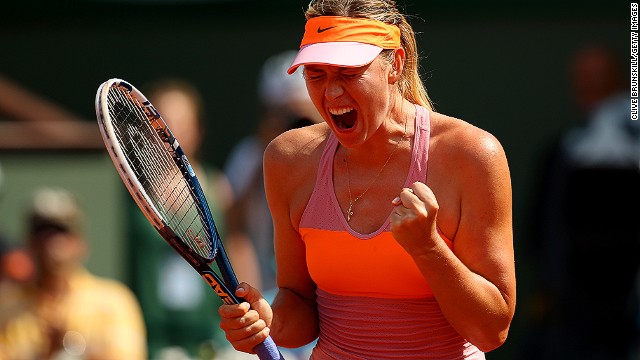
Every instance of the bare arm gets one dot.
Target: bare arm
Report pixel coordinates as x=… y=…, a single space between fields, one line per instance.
x=295 y=321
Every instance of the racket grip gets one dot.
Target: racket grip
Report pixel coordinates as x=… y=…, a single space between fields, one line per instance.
x=268 y=350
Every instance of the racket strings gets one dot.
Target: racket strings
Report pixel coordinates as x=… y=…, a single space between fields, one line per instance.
x=160 y=176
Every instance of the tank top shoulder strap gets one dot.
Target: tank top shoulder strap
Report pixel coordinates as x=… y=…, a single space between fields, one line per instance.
x=322 y=211
x=420 y=153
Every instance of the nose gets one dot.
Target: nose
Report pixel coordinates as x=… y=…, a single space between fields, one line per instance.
x=333 y=89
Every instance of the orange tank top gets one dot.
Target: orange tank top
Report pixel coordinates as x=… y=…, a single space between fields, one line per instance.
x=344 y=262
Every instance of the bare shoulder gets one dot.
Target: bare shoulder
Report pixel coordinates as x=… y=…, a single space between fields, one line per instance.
x=469 y=173
x=290 y=169
x=291 y=164
x=460 y=140
x=294 y=145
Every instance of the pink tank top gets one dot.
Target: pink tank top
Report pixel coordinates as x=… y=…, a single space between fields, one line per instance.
x=370 y=292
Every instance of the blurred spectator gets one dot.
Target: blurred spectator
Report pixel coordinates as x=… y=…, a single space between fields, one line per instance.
x=179 y=307
x=284 y=104
x=588 y=234
x=66 y=312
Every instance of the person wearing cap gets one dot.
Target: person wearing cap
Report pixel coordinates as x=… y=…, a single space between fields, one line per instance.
x=67 y=312
x=392 y=222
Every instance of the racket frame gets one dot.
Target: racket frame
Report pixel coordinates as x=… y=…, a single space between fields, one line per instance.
x=224 y=287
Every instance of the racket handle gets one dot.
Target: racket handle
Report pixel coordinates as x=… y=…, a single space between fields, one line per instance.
x=268 y=350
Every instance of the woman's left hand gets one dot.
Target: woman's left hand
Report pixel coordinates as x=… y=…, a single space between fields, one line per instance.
x=413 y=221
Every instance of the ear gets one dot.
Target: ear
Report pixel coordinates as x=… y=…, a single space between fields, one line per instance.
x=397 y=66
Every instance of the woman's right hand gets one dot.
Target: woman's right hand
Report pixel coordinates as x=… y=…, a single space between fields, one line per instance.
x=246 y=324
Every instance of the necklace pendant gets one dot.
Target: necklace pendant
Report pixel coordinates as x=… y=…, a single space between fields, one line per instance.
x=350 y=211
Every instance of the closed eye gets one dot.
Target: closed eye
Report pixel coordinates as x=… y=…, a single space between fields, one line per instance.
x=313 y=74
x=352 y=75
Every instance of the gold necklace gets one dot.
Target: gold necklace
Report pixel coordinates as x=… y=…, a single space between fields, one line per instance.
x=346 y=155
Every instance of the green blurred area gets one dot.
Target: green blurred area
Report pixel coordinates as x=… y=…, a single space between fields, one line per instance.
x=500 y=65
x=89 y=175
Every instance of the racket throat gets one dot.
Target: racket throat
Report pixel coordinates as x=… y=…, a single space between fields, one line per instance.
x=221 y=290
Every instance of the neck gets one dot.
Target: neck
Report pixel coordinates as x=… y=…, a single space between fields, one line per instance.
x=372 y=170
x=387 y=139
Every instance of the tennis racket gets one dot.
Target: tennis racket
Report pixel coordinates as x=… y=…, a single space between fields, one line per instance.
x=160 y=179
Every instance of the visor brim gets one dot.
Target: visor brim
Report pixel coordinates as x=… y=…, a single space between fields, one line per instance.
x=347 y=54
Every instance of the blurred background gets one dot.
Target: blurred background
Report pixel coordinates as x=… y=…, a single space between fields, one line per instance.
x=507 y=67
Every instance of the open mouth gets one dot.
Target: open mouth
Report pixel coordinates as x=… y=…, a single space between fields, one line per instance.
x=344 y=118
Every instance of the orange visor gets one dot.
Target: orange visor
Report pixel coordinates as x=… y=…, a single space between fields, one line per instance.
x=344 y=41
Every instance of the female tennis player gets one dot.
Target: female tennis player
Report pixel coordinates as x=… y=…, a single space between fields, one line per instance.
x=393 y=224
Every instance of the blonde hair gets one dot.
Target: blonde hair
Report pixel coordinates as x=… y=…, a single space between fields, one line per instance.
x=410 y=85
